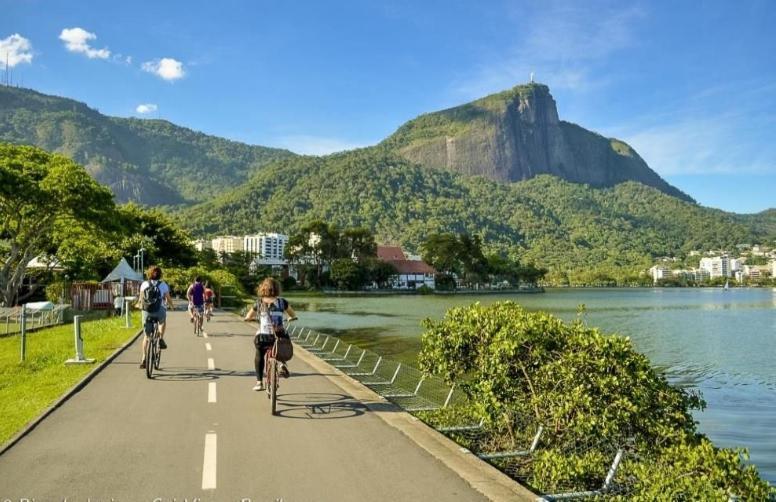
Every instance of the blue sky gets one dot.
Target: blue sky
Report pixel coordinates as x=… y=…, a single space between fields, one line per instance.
x=691 y=85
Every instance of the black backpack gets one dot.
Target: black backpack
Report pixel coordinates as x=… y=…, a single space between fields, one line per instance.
x=152 y=297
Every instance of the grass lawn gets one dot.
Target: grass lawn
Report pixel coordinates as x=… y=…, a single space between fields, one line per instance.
x=28 y=388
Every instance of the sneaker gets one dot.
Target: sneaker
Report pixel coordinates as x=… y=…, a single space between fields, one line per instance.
x=258 y=386
x=162 y=343
x=284 y=373
x=142 y=365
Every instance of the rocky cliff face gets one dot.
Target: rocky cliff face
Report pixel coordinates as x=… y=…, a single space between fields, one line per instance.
x=515 y=135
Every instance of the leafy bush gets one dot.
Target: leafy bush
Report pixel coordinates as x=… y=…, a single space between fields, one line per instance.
x=592 y=393
x=55 y=291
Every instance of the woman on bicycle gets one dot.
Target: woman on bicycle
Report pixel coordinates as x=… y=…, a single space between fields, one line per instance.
x=269 y=310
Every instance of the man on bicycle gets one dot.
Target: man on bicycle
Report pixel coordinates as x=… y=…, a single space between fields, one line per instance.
x=154 y=300
x=208 y=301
x=196 y=296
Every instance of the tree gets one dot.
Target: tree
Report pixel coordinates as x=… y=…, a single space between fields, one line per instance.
x=315 y=244
x=357 y=243
x=165 y=243
x=379 y=271
x=441 y=251
x=40 y=193
x=347 y=274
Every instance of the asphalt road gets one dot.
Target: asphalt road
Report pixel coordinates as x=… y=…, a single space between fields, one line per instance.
x=126 y=438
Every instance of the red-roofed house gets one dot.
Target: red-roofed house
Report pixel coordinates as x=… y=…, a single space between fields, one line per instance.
x=411 y=274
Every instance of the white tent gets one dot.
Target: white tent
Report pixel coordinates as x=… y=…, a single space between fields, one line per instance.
x=123 y=272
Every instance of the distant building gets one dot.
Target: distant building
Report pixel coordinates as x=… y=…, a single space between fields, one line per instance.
x=700 y=275
x=756 y=272
x=659 y=272
x=717 y=266
x=411 y=274
x=227 y=244
x=202 y=244
x=736 y=264
x=269 y=248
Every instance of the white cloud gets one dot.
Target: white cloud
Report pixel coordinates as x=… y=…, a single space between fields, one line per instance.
x=14 y=50
x=698 y=146
x=146 y=108
x=166 y=68
x=315 y=145
x=563 y=44
x=77 y=40
x=723 y=129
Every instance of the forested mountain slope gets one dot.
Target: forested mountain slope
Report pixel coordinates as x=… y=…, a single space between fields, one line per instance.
x=153 y=162
x=545 y=220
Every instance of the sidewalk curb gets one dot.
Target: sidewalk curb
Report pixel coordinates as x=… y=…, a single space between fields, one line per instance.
x=67 y=395
x=483 y=477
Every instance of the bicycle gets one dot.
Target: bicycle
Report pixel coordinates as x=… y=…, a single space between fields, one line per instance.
x=153 y=354
x=198 y=315
x=271 y=372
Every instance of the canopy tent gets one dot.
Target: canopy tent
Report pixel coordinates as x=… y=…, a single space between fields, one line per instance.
x=123 y=272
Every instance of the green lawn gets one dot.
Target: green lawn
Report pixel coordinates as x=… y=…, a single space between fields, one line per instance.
x=28 y=388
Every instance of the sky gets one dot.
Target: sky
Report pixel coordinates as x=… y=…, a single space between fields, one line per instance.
x=690 y=85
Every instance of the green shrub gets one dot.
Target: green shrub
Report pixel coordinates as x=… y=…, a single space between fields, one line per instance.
x=591 y=392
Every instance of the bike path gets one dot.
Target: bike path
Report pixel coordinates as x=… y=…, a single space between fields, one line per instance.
x=124 y=437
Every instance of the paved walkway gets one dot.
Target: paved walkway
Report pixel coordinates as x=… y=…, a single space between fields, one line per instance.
x=198 y=431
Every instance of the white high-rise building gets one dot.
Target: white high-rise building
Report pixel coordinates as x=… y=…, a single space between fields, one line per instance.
x=268 y=247
x=202 y=244
x=717 y=266
x=659 y=272
x=227 y=244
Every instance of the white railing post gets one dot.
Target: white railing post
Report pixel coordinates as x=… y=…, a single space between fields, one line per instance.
x=23 y=331
x=79 y=344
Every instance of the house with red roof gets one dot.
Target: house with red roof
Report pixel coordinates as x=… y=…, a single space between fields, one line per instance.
x=411 y=273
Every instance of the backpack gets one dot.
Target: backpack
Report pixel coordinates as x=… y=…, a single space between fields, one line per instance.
x=152 y=297
x=277 y=329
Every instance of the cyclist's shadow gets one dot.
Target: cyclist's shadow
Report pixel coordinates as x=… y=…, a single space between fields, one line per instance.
x=319 y=406
x=174 y=374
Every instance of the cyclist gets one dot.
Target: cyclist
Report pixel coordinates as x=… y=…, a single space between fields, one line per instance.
x=196 y=296
x=208 y=301
x=154 y=300
x=269 y=310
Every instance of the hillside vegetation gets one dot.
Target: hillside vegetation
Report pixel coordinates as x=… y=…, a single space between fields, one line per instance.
x=153 y=162
x=560 y=225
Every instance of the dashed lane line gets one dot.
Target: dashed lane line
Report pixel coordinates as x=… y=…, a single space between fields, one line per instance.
x=209 y=463
x=208 y=346
x=211 y=364
x=211 y=392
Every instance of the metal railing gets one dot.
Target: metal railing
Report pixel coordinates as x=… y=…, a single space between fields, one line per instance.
x=440 y=406
x=11 y=318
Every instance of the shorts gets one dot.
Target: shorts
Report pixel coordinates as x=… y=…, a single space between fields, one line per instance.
x=198 y=308
x=160 y=315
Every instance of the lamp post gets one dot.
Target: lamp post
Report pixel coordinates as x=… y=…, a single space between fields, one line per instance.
x=141 y=253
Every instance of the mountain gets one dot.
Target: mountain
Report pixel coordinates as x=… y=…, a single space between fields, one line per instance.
x=562 y=225
x=153 y=162
x=515 y=135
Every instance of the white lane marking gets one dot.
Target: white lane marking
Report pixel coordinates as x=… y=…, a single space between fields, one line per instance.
x=211 y=365
x=208 y=347
x=211 y=392
x=204 y=335
x=209 y=464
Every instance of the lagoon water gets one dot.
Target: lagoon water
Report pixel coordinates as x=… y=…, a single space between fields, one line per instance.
x=722 y=343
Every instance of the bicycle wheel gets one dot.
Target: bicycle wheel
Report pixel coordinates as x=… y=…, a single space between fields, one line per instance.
x=157 y=352
x=273 y=382
x=149 y=357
